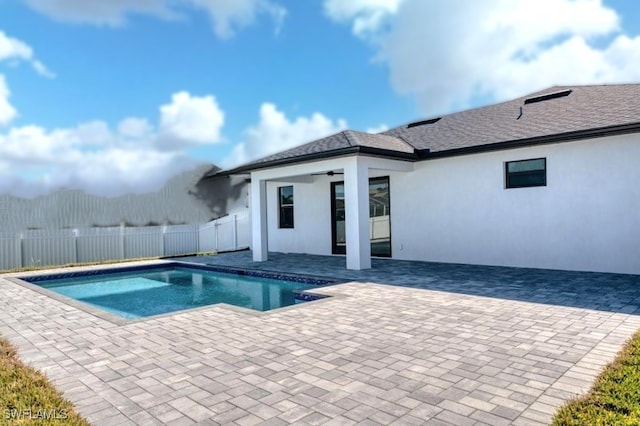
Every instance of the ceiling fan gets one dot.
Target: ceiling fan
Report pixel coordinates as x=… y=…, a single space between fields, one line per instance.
x=329 y=173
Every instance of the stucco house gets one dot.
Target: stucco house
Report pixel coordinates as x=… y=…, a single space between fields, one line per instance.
x=547 y=180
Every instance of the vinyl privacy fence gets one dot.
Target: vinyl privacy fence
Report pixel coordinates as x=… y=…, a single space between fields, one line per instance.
x=59 y=247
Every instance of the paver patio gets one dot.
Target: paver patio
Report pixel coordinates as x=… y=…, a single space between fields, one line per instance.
x=446 y=344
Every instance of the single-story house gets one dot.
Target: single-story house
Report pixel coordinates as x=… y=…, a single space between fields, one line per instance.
x=547 y=180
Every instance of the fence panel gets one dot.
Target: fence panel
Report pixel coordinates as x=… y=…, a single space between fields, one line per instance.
x=226 y=234
x=207 y=237
x=100 y=244
x=58 y=247
x=379 y=228
x=143 y=242
x=10 y=253
x=180 y=239
x=243 y=229
x=44 y=248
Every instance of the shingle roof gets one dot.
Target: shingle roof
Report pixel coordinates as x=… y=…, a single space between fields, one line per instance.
x=379 y=141
x=570 y=110
x=343 y=142
x=330 y=143
x=585 y=108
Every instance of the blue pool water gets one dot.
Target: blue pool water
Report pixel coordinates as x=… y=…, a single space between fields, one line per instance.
x=152 y=291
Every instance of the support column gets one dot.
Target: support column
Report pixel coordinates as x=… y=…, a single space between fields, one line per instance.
x=356 y=201
x=259 y=219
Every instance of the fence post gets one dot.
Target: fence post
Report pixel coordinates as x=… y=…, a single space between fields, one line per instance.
x=75 y=244
x=197 y=229
x=163 y=231
x=235 y=232
x=21 y=249
x=215 y=230
x=122 y=253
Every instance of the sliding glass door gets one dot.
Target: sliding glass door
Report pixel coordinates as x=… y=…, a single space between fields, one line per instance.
x=379 y=217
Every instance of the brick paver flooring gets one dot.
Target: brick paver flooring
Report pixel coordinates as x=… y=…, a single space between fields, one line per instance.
x=447 y=344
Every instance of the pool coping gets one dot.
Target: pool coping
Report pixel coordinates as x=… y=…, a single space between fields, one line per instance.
x=18 y=279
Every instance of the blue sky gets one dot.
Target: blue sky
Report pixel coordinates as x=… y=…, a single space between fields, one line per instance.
x=116 y=96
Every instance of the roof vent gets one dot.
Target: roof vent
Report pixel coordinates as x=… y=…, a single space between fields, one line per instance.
x=548 y=97
x=422 y=123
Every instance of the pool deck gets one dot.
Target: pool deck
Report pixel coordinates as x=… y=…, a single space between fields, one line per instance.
x=430 y=343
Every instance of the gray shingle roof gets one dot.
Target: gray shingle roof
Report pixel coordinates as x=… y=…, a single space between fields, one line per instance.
x=378 y=141
x=585 y=108
x=330 y=143
x=342 y=142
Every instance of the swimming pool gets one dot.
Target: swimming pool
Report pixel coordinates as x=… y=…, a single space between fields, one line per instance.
x=139 y=292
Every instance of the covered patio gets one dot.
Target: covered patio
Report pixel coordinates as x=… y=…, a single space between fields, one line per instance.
x=356 y=169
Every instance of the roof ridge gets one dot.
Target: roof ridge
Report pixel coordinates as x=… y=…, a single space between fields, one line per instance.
x=350 y=136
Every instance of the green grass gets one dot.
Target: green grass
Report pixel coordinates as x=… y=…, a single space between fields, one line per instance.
x=27 y=397
x=614 y=398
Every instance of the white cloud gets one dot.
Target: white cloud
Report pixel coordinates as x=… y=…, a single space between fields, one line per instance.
x=119 y=171
x=13 y=49
x=189 y=121
x=135 y=128
x=227 y=16
x=133 y=157
x=137 y=156
x=7 y=111
x=367 y=15
x=100 y=12
x=42 y=69
x=275 y=132
x=447 y=54
x=33 y=146
x=377 y=129
x=89 y=157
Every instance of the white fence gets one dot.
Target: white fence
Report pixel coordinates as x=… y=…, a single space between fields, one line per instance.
x=59 y=247
x=379 y=229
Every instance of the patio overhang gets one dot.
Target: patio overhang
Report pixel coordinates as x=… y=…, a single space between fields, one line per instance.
x=356 y=169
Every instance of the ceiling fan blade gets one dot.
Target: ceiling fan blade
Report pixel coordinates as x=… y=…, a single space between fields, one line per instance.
x=330 y=173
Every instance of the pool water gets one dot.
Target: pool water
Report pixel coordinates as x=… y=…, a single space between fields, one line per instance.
x=143 y=293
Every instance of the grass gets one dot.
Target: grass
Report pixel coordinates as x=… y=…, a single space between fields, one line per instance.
x=27 y=397
x=614 y=398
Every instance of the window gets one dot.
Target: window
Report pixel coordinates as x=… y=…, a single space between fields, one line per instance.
x=526 y=173
x=285 y=202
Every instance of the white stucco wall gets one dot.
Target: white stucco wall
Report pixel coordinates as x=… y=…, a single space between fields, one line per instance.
x=457 y=210
x=311 y=217
x=586 y=218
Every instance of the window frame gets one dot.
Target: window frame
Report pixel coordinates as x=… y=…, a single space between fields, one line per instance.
x=282 y=222
x=508 y=184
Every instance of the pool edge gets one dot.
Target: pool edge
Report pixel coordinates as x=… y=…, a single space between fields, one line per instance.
x=18 y=278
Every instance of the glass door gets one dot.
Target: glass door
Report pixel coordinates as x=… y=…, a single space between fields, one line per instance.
x=338 y=236
x=379 y=217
